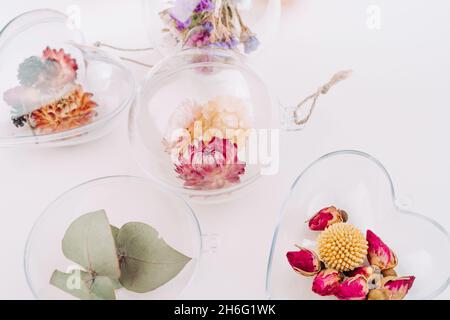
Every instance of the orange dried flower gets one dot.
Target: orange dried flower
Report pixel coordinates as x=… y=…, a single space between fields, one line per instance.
x=73 y=110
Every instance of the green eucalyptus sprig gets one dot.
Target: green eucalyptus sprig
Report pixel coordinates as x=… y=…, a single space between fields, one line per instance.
x=133 y=257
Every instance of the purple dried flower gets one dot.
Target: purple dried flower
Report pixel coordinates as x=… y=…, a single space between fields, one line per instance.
x=181 y=25
x=204 y=5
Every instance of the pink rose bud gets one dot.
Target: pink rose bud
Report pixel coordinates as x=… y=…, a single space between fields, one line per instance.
x=354 y=288
x=326 y=217
x=326 y=283
x=398 y=287
x=367 y=272
x=379 y=254
x=305 y=262
x=371 y=273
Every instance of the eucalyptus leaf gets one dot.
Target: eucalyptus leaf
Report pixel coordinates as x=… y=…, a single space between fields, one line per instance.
x=147 y=261
x=83 y=285
x=89 y=242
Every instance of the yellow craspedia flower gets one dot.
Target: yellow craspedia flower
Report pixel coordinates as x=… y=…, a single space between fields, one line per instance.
x=342 y=247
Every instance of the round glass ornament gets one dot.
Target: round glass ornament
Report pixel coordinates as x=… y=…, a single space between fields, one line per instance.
x=54 y=89
x=242 y=25
x=359 y=184
x=204 y=124
x=143 y=202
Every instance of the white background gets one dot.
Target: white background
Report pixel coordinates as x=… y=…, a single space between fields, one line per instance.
x=395 y=107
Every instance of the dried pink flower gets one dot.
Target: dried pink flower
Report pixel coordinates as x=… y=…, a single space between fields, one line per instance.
x=326 y=217
x=210 y=165
x=304 y=261
x=366 y=271
x=379 y=254
x=398 y=288
x=326 y=282
x=354 y=288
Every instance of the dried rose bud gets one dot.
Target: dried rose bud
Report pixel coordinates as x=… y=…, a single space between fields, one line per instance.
x=379 y=254
x=378 y=294
x=371 y=273
x=398 y=287
x=327 y=282
x=305 y=262
x=354 y=288
x=326 y=217
x=366 y=271
x=389 y=273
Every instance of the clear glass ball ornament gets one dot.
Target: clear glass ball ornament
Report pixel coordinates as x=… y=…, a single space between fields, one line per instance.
x=242 y=25
x=55 y=90
x=203 y=122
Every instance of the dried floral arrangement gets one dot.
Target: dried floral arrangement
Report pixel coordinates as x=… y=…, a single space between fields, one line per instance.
x=208 y=23
x=133 y=257
x=48 y=98
x=349 y=266
x=205 y=155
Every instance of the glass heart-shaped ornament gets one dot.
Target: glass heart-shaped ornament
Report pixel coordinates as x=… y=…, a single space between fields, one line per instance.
x=358 y=184
x=245 y=26
x=54 y=89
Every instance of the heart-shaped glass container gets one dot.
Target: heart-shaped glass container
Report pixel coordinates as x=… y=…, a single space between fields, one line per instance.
x=245 y=26
x=55 y=90
x=142 y=202
x=360 y=185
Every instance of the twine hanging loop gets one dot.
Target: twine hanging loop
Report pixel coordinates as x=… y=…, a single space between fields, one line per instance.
x=338 y=77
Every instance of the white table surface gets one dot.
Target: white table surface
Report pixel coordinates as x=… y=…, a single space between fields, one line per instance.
x=395 y=107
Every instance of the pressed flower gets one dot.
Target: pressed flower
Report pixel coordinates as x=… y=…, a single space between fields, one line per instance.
x=398 y=288
x=354 y=288
x=326 y=217
x=342 y=247
x=210 y=165
x=327 y=282
x=71 y=111
x=379 y=254
x=304 y=262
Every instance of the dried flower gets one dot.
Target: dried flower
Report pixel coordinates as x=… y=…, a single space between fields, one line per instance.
x=223 y=117
x=210 y=165
x=398 y=288
x=371 y=273
x=71 y=111
x=60 y=69
x=205 y=23
x=327 y=282
x=326 y=217
x=30 y=70
x=354 y=288
x=304 y=262
x=378 y=294
x=250 y=41
x=204 y=5
x=342 y=247
x=389 y=273
x=379 y=254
